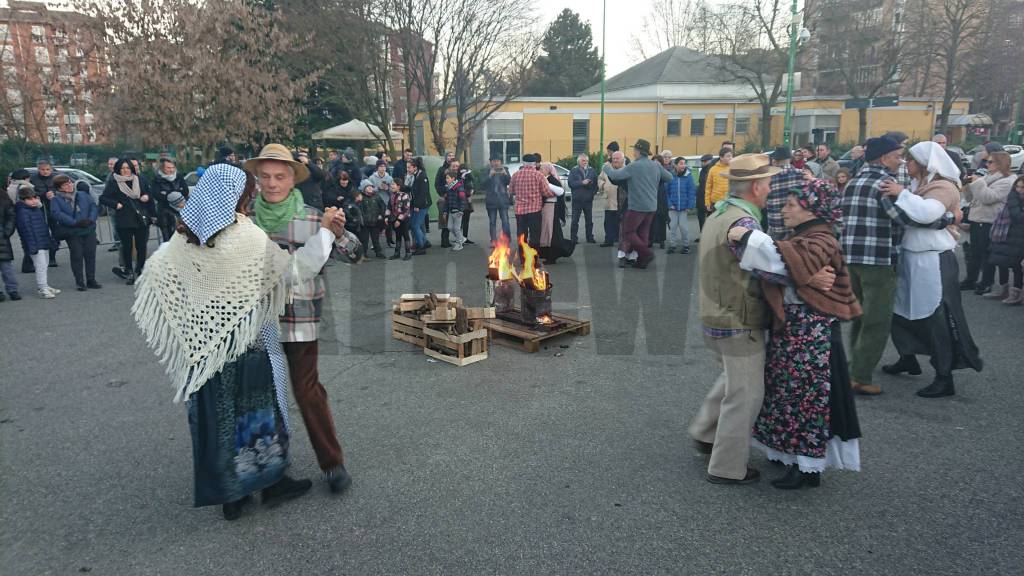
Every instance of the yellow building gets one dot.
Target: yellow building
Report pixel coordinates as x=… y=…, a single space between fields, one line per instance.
x=677 y=100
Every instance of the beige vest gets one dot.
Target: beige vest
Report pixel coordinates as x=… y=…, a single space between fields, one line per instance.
x=730 y=298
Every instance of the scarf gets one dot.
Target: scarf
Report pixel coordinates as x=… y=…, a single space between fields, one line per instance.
x=212 y=204
x=742 y=204
x=128 y=185
x=1001 y=225
x=274 y=217
x=169 y=177
x=820 y=197
x=201 y=307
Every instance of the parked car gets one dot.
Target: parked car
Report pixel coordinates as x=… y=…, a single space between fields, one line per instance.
x=1015 y=151
x=563 y=175
x=82 y=179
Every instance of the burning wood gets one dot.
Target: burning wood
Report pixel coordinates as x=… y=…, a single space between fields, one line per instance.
x=499 y=263
x=532 y=276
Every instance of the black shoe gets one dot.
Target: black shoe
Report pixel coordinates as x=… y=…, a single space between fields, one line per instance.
x=408 y=256
x=751 y=477
x=52 y=265
x=81 y=288
x=233 y=510
x=697 y=241
x=93 y=285
x=623 y=262
x=14 y=296
x=670 y=251
x=939 y=388
x=605 y=244
x=285 y=489
x=591 y=241
x=114 y=247
x=661 y=245
x=639 y=266
x=967 y=285
x=468 y=241
x=982 y=288
x=419 y=252
x=685 y=250
x=130 y=279
x=378 y=255
x=428 y=244
x=396 y=255
x=703 y=447
x=30 y=269
x=338 y=480
x=3 y=297
x=119 y=272
x=906 y=364
x=795 y=479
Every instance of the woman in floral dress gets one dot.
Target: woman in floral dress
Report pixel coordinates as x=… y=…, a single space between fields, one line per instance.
x=807 y=419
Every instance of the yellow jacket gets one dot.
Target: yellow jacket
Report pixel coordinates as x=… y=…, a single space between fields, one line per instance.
x=717 y=187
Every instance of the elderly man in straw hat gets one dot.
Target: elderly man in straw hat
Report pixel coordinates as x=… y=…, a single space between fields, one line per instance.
x=735 y=315
x=280 y=211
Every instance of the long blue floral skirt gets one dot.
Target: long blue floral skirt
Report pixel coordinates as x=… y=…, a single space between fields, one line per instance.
x=239 y=437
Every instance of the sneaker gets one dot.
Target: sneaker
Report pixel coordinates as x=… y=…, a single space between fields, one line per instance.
x=119 y=272
x=685 y=250
x=338 y=480
x=52 y=290
x=47 y=295
x=285 y=489
x=456 y=247
x=468 y=241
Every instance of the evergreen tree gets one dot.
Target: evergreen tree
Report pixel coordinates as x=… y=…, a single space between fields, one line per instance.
x=570 y=62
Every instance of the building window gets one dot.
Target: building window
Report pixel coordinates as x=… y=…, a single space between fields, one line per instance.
x=674 y=127
x=53 y=134
x=505 y=139
x=42 y=55
x=580 y=136
x=721 y=125
x=4 y=32
x=696 y=126
x=742 y=124
x=37 y=34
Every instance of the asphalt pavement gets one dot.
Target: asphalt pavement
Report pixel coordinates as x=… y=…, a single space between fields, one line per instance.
x=573 y=460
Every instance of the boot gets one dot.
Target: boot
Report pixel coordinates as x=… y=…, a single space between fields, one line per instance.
x=795 y=479
x=1016 y=297
x=285 y=489
x=445 y=243
x=233 y=510
x=338 y=480
x=408 y=254
x=398 y=252
x=906 y=364
x=130 y=279
x=942 y=386
x=998 y=291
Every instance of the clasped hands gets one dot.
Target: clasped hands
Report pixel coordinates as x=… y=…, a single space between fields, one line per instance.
x=334 y=220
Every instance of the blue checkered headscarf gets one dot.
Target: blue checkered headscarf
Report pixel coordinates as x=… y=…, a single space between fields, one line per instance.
x=211 y=205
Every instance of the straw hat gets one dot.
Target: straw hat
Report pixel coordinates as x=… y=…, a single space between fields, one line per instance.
x=279 y=153
x=751 y=167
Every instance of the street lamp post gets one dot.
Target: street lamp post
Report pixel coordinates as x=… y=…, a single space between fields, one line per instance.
x=604 y=67
x=787 y=130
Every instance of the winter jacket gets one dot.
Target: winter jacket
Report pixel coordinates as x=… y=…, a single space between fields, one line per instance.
x=32 y=227
x=419 y=191
x=162 y=188
x=373 y=209
x=609 y=190
x=583 y=192
x=829 y=167
x=382 y=184
x=496 y=190
x=337 y=196
x=644 y=176
x=682 y=192
x=1011 y=252
x=133 y=213
x=77 y=218
x=8 y=224
x=401 y=206
x=717 y=186
x=398 y=170
x=42 y=185
x=455 y=198
x=988 y=196
x=312 y=194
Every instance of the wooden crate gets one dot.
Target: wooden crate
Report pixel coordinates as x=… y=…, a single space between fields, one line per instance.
x=407 y=329
x=459 y=350
x=527 y=338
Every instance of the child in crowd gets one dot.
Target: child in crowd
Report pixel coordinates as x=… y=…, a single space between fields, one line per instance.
x=400 y=212
x=7 y=226
x=373 y=209
x=454 y=205
x=843 y=177
x=35 y=233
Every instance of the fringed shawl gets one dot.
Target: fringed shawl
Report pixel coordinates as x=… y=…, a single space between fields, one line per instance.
x=810 y=249
x=201 y=307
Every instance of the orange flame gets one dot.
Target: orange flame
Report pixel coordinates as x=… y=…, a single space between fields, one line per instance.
x=500 y=259
x=545 y=319
x=536 y=275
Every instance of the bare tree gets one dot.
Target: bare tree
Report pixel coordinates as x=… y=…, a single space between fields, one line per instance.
x=945 y=36
x=670 y=23
x=468 y=58
x=196 y=74
x=858 y=52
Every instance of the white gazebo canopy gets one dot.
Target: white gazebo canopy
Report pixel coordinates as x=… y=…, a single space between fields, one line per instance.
x=970 y=120
x=354 y=130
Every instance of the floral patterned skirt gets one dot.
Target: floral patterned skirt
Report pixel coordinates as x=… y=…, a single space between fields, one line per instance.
x=239 y=436
x=806 y=388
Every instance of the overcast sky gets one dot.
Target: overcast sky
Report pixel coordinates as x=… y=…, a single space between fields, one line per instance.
x=625 y=18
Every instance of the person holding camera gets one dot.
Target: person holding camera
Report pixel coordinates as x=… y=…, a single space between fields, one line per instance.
x=74 y=216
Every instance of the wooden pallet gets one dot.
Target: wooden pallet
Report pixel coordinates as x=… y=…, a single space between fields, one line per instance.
x=407 y=329
x=460 y=350
x=527 y=338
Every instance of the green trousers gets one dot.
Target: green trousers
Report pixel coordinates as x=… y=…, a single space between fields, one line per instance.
x=875 y=287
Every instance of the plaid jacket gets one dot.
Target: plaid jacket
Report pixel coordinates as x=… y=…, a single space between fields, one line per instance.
x=782 y=183
x=869 y=236
x=301 y=319
x=528 y=186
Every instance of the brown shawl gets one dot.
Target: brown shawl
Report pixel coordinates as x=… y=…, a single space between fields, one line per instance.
x=810 y=249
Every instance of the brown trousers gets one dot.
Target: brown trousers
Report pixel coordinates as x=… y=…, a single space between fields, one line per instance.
x=312 y=400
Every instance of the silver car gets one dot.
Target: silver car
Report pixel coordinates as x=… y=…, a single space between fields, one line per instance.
x=82 y=179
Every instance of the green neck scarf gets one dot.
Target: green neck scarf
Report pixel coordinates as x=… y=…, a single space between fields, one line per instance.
x=274 y=217
x=742 y=205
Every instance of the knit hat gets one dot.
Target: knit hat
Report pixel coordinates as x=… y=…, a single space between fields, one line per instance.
x=820 y=198
x=875 y=148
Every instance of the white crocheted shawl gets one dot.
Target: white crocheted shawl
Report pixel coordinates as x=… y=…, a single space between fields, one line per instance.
x=201 y=307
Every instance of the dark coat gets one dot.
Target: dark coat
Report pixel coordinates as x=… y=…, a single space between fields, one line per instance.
x=335 y=195
x=42 y=185
x=8 y=224
x=133 y=213
x=420 y=190
x=702 y=184
x=353 y=215
x=496 y=190
x=1011 y=252
x=373 y=209
x=312 y=194
x=32 y=227
x=582 y=192
x=456 y=198
x=77 y=219
x=398 y=170
x=161 y=188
